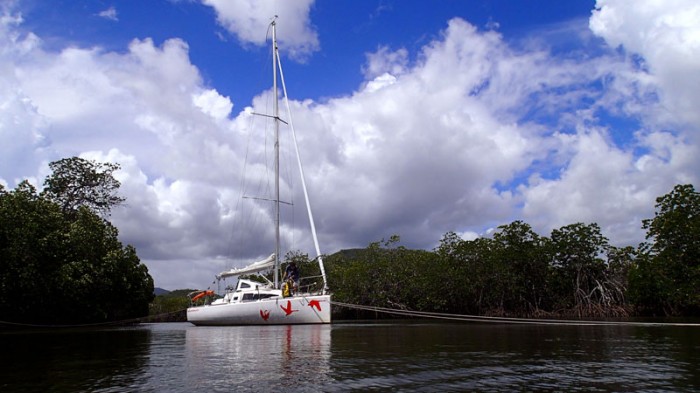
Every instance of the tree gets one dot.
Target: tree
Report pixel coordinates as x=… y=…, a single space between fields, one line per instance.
x=384 y=275
x=31 y=251
x=472 y=277
x=76 y=182
x=667 y=278
x=621 y=261
x=579 y=269
x=525 y=255
x=675 y=228
x=101 y=278
x=63 y=265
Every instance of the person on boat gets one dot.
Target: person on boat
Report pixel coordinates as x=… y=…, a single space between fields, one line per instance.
x=292 y=273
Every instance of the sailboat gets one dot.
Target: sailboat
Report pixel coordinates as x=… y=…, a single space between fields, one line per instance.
x=251 y=302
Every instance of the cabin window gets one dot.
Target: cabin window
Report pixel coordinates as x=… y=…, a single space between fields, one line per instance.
x=245 y=285
x=248 y=296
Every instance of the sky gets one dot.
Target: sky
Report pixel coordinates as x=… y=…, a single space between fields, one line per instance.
x=414 y=118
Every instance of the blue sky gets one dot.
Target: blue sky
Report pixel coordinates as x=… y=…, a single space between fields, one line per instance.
x=415 y=117
x=346 y=30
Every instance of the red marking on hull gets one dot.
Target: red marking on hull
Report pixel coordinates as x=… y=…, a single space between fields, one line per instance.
x=288 y=310
x=315 y=303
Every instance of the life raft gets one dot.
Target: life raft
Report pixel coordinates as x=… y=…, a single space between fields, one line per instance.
x=202 y=294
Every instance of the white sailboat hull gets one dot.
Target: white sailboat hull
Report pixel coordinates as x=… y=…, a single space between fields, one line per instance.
x=293 y=310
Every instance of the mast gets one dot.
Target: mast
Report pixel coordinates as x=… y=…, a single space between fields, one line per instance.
x=277 y=153
x=303 y=181
x=277 y=63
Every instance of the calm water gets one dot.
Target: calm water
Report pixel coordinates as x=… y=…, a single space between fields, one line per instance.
x=389 y=356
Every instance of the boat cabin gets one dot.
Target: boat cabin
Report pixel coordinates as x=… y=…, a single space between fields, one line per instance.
x=248 y=291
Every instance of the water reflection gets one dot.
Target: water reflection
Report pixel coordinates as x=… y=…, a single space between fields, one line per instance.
x=73 y=360
x=390 y=356
x=444 y=357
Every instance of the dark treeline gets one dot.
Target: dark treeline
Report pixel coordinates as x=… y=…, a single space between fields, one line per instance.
x=60 y=259
x=574 y=272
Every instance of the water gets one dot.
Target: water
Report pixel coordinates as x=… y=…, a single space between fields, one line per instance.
x=384 y=356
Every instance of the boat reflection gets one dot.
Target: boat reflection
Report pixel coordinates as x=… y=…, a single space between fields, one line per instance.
x=259 y=358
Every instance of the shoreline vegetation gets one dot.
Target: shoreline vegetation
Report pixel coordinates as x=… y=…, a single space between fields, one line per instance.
x=572 y=274
x=61 y=263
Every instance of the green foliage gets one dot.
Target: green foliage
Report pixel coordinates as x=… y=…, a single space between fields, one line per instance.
x=29 y=227
x=384 y=274
x=517 y=272
x=77 y=182
x=525 y=257
x=582 y=278
x=575 y=272
x=667 y=278
x=170 y=307
x=576 y=257
x=475 y=275
x=65 y=266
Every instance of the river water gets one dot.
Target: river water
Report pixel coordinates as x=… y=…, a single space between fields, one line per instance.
x=354 y=356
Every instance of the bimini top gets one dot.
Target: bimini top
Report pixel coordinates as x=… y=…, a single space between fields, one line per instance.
x=255 y=267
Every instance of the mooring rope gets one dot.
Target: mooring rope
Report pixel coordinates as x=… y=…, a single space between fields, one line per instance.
x=57 y=326
x=145 y=319
x=524 y=321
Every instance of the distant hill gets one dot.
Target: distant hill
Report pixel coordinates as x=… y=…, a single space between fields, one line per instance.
x=160 y=291
x=349 y=253
x=181 y=292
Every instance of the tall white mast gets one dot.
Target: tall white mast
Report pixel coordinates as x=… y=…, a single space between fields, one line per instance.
x=277 y=153
x=303 y=181
x=277 y=63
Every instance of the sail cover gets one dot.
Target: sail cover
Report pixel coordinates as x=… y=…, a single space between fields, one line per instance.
x=256 y=267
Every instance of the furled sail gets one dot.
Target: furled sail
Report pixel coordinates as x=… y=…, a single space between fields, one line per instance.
x=255 y=267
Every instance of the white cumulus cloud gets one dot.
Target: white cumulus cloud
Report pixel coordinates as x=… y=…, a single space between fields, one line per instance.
x=249 y=20
x=469 y=134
